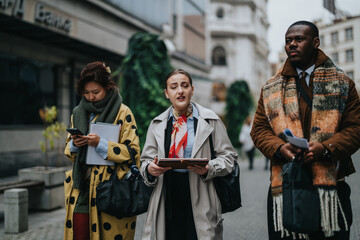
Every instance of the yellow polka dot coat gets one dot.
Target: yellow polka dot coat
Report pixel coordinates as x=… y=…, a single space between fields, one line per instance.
x=103 y=226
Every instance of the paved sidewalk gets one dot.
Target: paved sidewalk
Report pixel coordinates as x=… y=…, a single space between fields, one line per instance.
x=42 y=226
x=247 y=223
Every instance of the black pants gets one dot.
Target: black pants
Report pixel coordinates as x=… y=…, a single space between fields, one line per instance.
x=343 y=191
x=179 y=223
x=250 y=155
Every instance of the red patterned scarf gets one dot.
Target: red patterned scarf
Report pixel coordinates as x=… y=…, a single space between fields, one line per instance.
x=179 y=134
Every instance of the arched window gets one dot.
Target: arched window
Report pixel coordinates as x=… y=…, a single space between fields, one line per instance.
x=219 y=92
x=219 y=56
x=220 y=12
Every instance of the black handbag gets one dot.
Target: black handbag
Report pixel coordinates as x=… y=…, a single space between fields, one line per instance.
x=227 y=187
x=124 y=197
x=301 y=203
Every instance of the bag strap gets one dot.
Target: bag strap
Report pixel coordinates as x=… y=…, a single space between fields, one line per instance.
x=113 y=174
x=213 y=153
x=133 y=168
x=131 y=153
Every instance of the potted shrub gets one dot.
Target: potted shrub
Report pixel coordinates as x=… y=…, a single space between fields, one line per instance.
x=51 y=194
x=54 y=132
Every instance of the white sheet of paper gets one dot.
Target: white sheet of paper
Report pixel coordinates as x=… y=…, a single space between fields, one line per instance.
x=107 y=131
x=296 y=141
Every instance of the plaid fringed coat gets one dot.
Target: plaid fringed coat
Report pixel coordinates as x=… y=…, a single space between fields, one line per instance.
x=334 y=120
x=342 y=145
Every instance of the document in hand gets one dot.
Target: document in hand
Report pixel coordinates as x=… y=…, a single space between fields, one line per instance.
x=107 y=131
x=296 y=141
x=181 y=163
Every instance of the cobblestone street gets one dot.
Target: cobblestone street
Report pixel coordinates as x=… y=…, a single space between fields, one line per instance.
x=247 y=223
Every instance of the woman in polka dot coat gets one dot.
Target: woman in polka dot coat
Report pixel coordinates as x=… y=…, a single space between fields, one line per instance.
x=100 y=100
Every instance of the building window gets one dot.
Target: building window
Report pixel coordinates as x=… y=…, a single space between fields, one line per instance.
x=349 y=55
x=335 y=58
x=193 y=33
x=219 y=56
x=350 y=74
x=219 y=92
x=334 y=38
x=26 y=86
x=220 y=12
x=349 y=34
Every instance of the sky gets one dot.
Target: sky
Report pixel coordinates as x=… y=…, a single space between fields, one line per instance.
x=282 y=13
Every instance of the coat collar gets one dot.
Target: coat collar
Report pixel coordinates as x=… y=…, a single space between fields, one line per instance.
x=290 y=70
x=203 y=113
x=204 y=129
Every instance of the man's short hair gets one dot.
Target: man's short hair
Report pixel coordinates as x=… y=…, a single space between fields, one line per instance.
x=313 y=27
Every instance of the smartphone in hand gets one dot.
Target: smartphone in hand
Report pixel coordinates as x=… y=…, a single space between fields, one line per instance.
x=74 y=131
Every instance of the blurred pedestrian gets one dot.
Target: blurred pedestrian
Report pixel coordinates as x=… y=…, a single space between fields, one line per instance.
x=184 y=204
x=100 y=102
x=266 y=163
x=246 y=141
x=317 y=101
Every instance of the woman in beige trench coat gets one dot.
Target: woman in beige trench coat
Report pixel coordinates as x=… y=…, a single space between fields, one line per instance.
x=184 y=203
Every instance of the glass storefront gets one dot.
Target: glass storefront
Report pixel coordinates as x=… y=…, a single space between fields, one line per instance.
x=26 y=86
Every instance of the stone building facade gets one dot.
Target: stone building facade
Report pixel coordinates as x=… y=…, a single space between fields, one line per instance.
x=238 y=45
x=45 y=44
x=340 y=40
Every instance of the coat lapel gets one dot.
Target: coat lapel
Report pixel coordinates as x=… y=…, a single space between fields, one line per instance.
x=159 y=134
x=203 y=131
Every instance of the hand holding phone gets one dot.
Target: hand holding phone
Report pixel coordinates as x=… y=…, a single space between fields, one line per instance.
x=79 y=138
x=74 y=131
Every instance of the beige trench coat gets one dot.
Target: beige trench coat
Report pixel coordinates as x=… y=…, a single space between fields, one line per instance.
x=205 y=203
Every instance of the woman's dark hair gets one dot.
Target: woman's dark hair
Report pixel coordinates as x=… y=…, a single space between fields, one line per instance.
x=95 y=72
x=177 y=71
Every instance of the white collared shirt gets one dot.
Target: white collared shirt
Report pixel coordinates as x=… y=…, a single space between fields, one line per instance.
x=308 y=71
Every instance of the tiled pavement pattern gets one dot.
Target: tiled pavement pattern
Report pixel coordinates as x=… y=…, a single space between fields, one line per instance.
x=247 y=223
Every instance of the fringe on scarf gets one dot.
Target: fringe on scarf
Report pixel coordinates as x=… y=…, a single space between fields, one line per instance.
x=278 y=220
x=329 y=208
